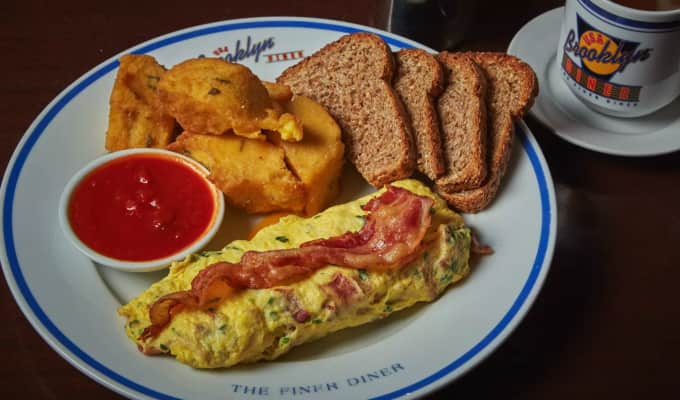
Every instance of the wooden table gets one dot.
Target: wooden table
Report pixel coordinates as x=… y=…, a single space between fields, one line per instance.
x=606 y=324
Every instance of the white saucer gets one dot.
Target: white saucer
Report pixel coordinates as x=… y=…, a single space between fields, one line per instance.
x=557 y=107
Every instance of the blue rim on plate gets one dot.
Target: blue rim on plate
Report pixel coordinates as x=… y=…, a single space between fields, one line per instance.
x=543 y=251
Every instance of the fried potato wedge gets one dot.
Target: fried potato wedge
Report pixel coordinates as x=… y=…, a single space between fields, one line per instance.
x=252 y=173
x=136 y=118
x=259 y=176
x=317 y=159
x=212 y=96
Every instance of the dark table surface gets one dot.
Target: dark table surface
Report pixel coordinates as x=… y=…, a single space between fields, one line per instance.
x=607 y=322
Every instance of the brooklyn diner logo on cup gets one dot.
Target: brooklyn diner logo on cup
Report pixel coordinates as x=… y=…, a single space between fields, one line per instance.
x=620 y=61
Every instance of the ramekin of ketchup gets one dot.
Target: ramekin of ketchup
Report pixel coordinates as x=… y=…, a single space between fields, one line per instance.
x=140 y=209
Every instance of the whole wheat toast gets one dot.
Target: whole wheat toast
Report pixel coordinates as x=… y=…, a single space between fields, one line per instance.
x=352 y=78
x=462 y=114
x=419 y=81
x=512 y=87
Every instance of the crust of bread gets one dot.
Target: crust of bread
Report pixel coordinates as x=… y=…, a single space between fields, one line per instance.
x=462 y=113
x=419 y=81
x=352 y=78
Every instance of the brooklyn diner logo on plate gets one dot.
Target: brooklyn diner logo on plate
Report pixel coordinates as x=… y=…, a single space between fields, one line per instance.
x=258 y=49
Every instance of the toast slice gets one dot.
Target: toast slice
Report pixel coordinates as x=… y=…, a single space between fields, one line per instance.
x=512 y=89
x=352 y=78
x=462 y=114
x=419 y=81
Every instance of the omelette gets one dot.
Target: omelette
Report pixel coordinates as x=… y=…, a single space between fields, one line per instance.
x=255 y=323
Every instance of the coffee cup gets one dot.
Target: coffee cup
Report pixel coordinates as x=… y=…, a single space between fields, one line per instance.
x=618 y=60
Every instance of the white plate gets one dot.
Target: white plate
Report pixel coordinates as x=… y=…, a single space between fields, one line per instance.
x=557 y=107
x=72 y=303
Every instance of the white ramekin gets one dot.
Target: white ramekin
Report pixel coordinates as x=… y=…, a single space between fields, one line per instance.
x=139 y=266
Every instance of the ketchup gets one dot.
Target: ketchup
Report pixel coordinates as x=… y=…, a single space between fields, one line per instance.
x=141 y=207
